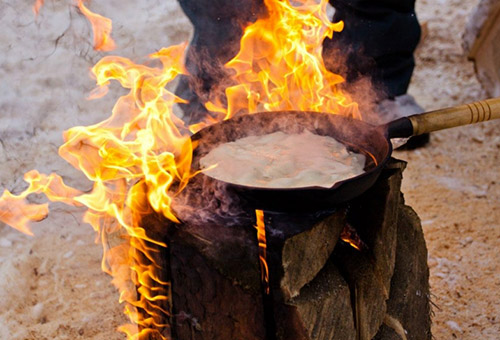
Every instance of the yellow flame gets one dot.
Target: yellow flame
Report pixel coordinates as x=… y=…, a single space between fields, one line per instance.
x=351 y=237
x=280 y=67
x=135 y=155
x=140 y=157
x=101 y=27
x=261 y=237
x=14 y=210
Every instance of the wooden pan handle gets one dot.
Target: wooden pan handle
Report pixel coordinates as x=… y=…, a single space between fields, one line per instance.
x=472 y=113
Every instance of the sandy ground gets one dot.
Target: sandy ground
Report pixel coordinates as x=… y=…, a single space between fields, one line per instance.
x=51 y=285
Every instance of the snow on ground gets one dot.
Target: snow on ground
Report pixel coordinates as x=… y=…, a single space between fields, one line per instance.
x=51 y=285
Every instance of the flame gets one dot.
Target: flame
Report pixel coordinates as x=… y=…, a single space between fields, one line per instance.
x=261 y=237
x=280 y=67
x=101 y=27
x=350 y=236
x=140 y=157
x=37 y=6
x=141 y=153
x=135 y=156
x=15 y=212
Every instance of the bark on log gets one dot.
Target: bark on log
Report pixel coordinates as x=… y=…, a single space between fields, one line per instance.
x=409 y=298
x=324 y=307
x=216 y=283
x=375 y=216
x=305 y=254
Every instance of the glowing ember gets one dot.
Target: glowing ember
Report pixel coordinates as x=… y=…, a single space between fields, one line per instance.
x=140 y=157
x=101 y=26
x=261 y=237
x=351 y=237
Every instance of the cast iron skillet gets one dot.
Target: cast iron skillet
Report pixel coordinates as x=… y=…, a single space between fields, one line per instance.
x=358 y=136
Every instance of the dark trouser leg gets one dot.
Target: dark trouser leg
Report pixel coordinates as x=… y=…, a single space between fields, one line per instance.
x=217 y=32
x=379 y=38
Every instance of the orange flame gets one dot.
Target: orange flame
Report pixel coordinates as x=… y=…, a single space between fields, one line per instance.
x=37 y=6
x=351 y=237
x=101 y=27
x=261 y=237
x=280 y=66
x=136 y=155
x=140 y=157
x=15 y=212
x=133 y=156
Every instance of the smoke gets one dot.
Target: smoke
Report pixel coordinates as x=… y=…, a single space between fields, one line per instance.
x=209 y=200
x=216 y=40
x=361 y=87
x=218 y=28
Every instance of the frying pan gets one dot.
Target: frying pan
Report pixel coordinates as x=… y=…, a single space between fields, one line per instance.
x=358 y=136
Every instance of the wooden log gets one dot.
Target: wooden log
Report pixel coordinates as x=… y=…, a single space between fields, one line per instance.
x=298 y=246
x=305 y=254
x=320 y=288
x=216 y=283
x=409 y=304
x=323 y=308
x=368 y=273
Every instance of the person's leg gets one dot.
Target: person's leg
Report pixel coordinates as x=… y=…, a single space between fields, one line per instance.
x=218 y=28
x=379 y=38
x=378 y=41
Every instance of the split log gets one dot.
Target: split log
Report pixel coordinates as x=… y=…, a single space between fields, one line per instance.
x=305 y=254
x=375 y=216
x=321 y=288
x=410 y=283
x=216 y=286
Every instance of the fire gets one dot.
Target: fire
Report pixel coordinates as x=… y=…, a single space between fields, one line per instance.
x=101 y=26
x=280 y=67
x=261 y=237
x=37 y=6
x=15 y=212
x=351 y=237
x=141 y=153
x=140 y=157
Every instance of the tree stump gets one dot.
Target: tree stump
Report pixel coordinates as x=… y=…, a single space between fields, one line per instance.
x=321 y=287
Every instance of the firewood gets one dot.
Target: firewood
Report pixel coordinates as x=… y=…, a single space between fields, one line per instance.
x=216 y=283
x=320 y=288
x=410 y=282
x=305 y=254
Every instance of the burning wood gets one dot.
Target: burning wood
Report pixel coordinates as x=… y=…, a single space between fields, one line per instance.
x=139 y=159
x=316 y=287
x=261 y=237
